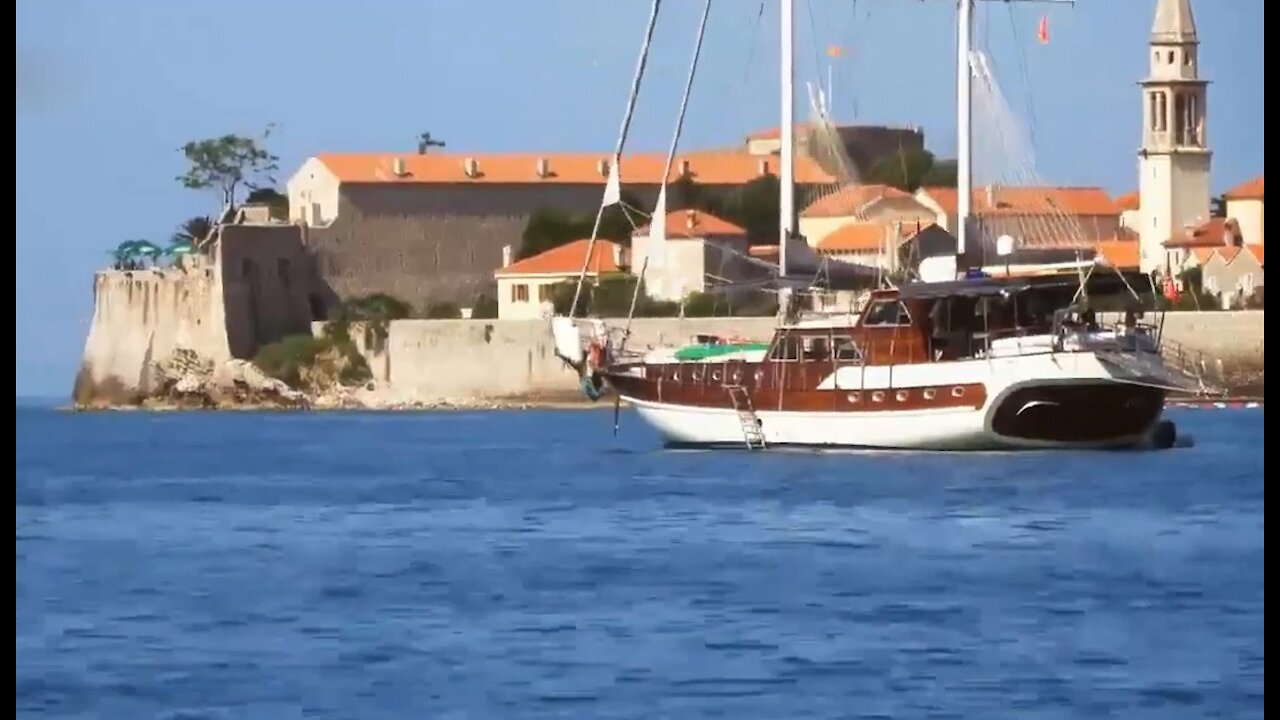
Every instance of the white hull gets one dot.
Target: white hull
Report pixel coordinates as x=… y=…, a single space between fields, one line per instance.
x=964 y=428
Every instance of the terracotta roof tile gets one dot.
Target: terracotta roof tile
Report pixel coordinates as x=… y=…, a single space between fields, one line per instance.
x=712 y=168
x=567 y=260
x=1248 y=190
x=851 y=199
x=1229 y=253
x=1120 y=254
x=1129 y=201
x=854 y=237
x=695 y=224
x=1020 y=200
x=776 y=133
x=1213 y=233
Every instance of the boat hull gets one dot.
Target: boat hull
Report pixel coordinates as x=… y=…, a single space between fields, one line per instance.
x=1012 y=404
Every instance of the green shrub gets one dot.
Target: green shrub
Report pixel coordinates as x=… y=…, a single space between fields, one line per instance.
x=285 y=359
x=443 y=311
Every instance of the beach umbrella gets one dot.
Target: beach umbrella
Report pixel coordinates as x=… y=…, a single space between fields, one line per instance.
x=124 y=251
x=146 y=249
x=180 y=248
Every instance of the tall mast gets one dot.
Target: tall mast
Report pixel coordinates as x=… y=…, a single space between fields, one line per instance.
x=964 y=119
x=786 y=171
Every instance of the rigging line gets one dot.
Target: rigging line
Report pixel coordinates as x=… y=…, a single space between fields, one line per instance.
x=739 y=91
x=684 y=106
x=1026 y=75
x=813 y=44
x=688 y=88
x=622 y=141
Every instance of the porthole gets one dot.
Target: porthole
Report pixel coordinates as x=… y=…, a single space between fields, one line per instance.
x=901 y=396
x=930 y=394
x=715 y=375
x=877 y=396
x=853 y=397
x=957 y=391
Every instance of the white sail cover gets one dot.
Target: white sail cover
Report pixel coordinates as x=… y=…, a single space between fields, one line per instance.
x=612 y=185
x=656 y=247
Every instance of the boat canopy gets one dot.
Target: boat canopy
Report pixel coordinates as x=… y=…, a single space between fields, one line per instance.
x=1100 y=283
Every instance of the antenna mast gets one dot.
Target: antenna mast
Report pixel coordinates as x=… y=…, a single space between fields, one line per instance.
x=786 y=172
x=964 y=131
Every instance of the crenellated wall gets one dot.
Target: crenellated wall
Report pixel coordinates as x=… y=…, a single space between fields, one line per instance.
x=255 y=285
x=140 y=316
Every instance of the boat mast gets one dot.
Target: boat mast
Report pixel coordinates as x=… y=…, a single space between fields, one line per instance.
x=964 y=120
x=786 y=170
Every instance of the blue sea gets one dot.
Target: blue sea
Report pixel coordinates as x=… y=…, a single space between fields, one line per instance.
x=530 y=564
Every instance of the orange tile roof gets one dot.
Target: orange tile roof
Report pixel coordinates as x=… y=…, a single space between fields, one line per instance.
x=1210 y=234
x=854 y=237
x=776 y=133
x=1120 y=254
x=567 y=260
x=1248 y=190
x=695 y=224
x=851 y=199
x=1020 y=200
x=1229 y=252
x=711 y=167
x=1129 y=201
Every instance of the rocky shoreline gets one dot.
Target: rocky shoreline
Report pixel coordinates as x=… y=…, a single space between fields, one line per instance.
x=186 y=382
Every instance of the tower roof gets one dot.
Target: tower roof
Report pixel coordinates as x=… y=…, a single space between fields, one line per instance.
x=1174 y=22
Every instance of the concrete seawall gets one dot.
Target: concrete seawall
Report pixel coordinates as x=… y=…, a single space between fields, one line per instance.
x=143 y=316
x=431 y=361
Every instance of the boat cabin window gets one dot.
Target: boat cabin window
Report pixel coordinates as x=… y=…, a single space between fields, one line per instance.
x=884 y=313
x=786 y=348
x=846 y=350
x=815 y=348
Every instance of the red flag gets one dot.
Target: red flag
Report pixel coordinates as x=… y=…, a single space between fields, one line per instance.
x=1042 y=32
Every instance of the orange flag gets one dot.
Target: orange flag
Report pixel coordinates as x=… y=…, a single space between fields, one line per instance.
x=1042 y=32
x=834 y=51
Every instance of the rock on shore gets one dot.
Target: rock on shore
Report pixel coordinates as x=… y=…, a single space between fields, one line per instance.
x=186 y=381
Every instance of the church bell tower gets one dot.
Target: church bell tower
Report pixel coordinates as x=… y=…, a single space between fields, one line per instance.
x=1173 y=164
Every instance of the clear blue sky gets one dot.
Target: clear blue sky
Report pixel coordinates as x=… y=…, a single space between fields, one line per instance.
x=107 y=92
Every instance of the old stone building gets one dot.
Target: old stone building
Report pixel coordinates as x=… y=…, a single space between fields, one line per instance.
x=432 y=227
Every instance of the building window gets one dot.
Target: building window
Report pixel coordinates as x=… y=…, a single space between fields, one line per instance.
x=519 y=293
x=544 y=293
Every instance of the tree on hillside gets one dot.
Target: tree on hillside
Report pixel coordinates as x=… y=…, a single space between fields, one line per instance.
x=549 y=228
x=193 y=230
x=754 y=207
x=911 y=169
x=228 y=162
x=267 y=196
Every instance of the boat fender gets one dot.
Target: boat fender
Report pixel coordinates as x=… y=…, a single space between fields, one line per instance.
x=1165 y=435
x=595 y=356
x=591 y=386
